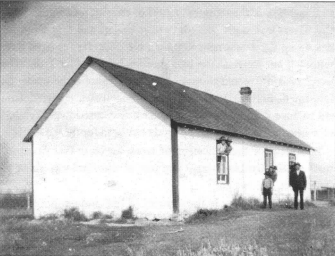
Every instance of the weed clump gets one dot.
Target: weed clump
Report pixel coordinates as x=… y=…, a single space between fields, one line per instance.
x=49 y=217
x=74 y=214
x=201 y=215
x=285 y=203
x=97 y=215
x=107 y=216
x=204 y=213
x=245 y=203
x=310 y=204
x=128 y=214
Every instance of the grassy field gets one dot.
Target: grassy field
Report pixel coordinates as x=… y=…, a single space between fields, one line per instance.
x=261 y=232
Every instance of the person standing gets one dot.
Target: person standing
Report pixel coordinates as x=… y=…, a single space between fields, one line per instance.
x=267 y=186
x=298 y=184
x=273 y=173
x=224 y=148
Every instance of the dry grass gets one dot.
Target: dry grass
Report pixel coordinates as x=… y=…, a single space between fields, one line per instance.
x=18 y=213
x=229 y=232
x=225 y=249
x=238 y=207
x=207 y=249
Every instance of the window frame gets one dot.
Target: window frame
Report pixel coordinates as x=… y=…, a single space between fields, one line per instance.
x=289 y=165
x=266 y=150
x=217 y=174
x=289 y=158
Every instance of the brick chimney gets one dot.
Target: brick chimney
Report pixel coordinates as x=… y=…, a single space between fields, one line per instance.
x=246 y=96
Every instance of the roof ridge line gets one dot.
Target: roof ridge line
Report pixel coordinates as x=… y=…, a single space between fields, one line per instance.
x=195 y=89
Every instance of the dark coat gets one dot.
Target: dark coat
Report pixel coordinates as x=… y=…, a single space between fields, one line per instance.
x=273 y=175
x=298 y=182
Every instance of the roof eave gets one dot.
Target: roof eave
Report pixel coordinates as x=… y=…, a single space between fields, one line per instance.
x=58 y=99
x=307 y=147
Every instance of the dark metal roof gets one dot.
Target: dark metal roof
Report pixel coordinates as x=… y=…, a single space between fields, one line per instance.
x=188 y=106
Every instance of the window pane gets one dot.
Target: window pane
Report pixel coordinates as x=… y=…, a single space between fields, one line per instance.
x=292 y=158
x=224 y=165
x=221 y=167
x=268 y=159
x=267 y=164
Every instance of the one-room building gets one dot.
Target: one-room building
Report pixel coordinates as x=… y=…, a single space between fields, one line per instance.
x=115 y=137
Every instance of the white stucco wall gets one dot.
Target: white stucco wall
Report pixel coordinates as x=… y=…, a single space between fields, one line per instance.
x=103 y=149
x=198 y=186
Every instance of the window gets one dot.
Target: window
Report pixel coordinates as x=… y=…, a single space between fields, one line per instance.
x=222 y=165
x=268 y=158
x=222 y=169
x=291 y=162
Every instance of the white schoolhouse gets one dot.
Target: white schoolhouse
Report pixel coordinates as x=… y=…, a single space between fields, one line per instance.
x=115 y=137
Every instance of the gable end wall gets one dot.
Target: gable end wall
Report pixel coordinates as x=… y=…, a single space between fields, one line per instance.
x=103 y=149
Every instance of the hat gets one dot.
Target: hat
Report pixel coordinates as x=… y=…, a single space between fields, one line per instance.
x=226 y=138
x=297 y=164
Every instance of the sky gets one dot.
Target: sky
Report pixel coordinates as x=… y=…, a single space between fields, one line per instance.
x=284 y=51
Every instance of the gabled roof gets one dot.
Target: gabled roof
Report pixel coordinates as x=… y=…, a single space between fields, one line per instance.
x=187 y=106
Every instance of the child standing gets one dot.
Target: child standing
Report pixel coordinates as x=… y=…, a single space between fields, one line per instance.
x=267 y=186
